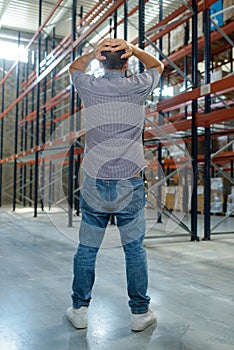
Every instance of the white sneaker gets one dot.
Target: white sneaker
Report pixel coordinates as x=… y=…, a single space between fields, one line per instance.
x=78 y=317
x=139 y=322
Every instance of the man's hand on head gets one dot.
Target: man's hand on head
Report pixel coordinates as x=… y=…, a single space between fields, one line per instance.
x=121 y=44
x=105 y=45
x=114 y=45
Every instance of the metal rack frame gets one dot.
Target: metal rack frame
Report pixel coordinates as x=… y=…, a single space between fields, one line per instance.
x=46 y=75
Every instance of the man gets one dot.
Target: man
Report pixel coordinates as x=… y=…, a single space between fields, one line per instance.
x=113 y=172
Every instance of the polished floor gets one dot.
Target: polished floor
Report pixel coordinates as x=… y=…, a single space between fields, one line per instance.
x=191 y=285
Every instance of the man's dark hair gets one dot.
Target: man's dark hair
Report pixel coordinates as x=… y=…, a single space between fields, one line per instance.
x=113 y=59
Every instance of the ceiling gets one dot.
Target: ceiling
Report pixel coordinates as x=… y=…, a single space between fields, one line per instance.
x=22 y=15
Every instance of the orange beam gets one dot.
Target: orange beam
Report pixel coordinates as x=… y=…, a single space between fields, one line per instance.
x=218 y=116
x=61 y=96
x=202 y=6
x=165 y=21
x=31 y=41
x=64 y=116
x=221 y=86
x=188 y=139
x=187 y=50
x=175 y=14
x=221 y=158
x=168 y=129
x=78 y=41
x=203 y=120
x=60 y=155
x=68 y=138
x=64 y=54
x=65 y=42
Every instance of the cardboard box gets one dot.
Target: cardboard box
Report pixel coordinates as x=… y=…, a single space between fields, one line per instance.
x=216 y=207
x=176 y=38
x=200 y=198
x=200 y=189
x=230 y=204
x=199 y=26
x=200 y=203
x=228 y=16
x=216 y=75
x=170 y=201
x=164 y=194
x=217 y=183
x=179 y=198
x=216 y=196
x=165 y=44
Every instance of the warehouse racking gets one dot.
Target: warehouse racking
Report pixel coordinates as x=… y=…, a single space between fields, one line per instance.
x=47 y=114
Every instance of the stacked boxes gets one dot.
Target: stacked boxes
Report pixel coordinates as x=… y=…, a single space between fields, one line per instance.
x=216 y=200
x=216 y=75
x=173 y=198
x=165 y=45
x=200 y=199
x=199 y=26
x=228 y=16
x=170 y=197
x=177 y=38
x=167 y=197
x=230 y=203
x=179 y=198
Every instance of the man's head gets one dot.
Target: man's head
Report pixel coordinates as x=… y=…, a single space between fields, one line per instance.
x=113 y=60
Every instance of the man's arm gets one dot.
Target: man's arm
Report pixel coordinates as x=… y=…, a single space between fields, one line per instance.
x=147 y=59
x=82 y=62
x=109 y=44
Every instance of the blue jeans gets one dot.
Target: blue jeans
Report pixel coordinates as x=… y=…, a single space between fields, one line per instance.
x=125 y=199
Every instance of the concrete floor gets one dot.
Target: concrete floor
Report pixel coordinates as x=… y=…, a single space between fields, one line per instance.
x=191 y=286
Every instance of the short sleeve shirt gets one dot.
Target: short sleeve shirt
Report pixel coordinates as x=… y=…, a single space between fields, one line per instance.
x=114 y=120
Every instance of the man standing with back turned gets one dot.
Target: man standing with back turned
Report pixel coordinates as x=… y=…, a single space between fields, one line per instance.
x=113 y=172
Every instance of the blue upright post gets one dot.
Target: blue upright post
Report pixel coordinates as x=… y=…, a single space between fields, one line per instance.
x=126 y=20
x=194 y=236
x=36 y=175
x=207 y=58
x=141 y=31
x=2 y=128
x=16 y=130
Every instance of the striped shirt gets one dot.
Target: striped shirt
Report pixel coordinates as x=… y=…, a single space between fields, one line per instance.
x=114 y=116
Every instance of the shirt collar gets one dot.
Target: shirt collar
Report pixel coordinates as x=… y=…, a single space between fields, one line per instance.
x=113 y=73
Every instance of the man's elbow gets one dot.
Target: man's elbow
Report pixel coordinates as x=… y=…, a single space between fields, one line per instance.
x=71 y=69
x=160 y=68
